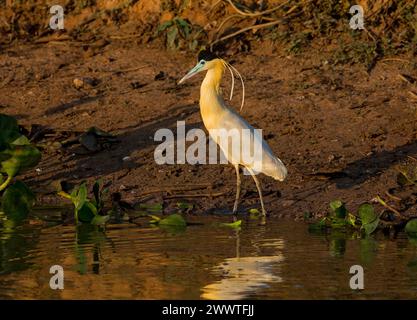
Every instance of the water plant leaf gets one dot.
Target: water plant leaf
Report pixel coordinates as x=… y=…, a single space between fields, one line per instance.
x=411 y=228
x=17 y=201
x=9 y=130
x=370 y=227
x=351 y=220
x=367 y=213
x=155 y=219
x=79 y=196
x=338 y=209
x=86 y=213
x=20 y=158
x=173 y=220
x=234 y=225
x=21 y=141
x=100 y=220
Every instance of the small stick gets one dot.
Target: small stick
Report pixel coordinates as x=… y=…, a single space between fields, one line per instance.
x=377 y=198
x=396 y=59
x=392 y=196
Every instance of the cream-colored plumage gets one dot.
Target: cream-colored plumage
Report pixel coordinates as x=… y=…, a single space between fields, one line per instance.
x=216 y=115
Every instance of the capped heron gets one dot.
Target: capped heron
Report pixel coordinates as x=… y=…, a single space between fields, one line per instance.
x=216 y=115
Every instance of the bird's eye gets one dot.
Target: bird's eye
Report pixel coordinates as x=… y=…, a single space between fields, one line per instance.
x=202 y=62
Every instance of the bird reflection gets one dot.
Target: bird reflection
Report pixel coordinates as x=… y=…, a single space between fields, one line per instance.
x=245 y=275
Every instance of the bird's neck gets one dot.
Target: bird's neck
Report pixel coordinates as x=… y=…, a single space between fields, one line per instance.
x=211 y=101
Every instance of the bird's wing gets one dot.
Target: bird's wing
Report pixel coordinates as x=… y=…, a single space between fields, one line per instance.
x=259 y=156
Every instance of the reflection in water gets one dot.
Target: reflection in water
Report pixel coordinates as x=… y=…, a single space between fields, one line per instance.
x=281 y=260
x=245 y=275
x=15 y=246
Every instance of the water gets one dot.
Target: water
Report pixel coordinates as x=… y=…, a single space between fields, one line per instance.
x=281 y=260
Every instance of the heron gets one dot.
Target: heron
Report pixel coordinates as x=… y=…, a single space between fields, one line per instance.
x=217 y=115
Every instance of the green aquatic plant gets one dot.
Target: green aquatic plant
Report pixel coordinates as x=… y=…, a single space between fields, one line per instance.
x=340 y=218
x=175 y=220
x=366 y=221
x=17 y=154
x=88 y=210
x=234 y=225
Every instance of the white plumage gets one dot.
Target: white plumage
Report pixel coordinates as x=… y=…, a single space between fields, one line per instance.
x=217 y=117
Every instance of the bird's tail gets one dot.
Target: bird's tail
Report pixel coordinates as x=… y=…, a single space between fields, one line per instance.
x=280 y=172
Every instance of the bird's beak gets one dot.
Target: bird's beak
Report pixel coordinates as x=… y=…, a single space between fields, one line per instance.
x=192 y=72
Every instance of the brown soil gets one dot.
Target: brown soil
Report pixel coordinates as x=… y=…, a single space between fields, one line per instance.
x=340 y=130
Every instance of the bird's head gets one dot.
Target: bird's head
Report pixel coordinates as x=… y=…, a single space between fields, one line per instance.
x=206 y=61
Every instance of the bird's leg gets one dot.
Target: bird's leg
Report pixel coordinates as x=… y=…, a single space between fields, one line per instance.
x=237 y=189
x=258 y=186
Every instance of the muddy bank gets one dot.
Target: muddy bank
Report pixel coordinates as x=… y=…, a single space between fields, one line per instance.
x=341 y=131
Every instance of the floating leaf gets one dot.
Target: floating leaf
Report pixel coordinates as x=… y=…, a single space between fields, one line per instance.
x=173 y=220
x=17 y=201
x=338 y=209
x=367 y=213
x=411 y=227
x=370 y=227
x=99 y=220
x=20 y=158
x=235 y=225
